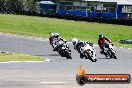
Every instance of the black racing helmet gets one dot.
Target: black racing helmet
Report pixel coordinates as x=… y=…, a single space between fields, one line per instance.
x=56 y=35
x=101 y=35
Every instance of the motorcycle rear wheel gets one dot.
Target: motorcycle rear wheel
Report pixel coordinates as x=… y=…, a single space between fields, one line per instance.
x=113 y=55
x=68 y=56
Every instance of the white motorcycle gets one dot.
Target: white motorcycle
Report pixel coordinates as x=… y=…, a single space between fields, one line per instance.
x=109 y=51
x=89 y=52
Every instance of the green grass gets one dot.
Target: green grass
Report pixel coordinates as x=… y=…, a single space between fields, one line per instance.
x=42 y=26
x=18 y=57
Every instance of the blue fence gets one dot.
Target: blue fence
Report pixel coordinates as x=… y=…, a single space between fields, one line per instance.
x=88 y=14
x=47 y=8
x=50 y=8
x=108 y=15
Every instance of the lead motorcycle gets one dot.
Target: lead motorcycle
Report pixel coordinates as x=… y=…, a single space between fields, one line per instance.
x=109 y=51
x=64 y=50
x=89 y=52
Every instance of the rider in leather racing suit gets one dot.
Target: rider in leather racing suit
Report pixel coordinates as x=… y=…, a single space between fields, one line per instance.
x=102 y=41
x=51 y=39
x=78 y=44
x=56 y=40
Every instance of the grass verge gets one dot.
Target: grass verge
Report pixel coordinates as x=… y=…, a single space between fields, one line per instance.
x=42 y=26
x=6 y=57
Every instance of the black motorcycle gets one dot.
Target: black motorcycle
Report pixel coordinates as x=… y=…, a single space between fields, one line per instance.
x=64 y=51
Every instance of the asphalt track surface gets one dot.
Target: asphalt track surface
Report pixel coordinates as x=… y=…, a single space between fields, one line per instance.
x=60 y=72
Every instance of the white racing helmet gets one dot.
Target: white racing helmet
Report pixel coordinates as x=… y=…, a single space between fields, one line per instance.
x=74 y=41
x=51 y=34
x=56 y=35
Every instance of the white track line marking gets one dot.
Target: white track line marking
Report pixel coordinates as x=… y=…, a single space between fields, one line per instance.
x=53 y=82
x=24 y=36
x=23 y=62
x=47 y=60
x=4 y=62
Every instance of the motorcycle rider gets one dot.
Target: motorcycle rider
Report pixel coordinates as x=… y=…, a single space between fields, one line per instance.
x=78 y=44
x=51 y=39
x=102 y=41
x=56 y=40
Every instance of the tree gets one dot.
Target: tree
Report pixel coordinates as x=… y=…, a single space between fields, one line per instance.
x=32 y=5
x=15 y=5
x=3 y=4
x=19 y=6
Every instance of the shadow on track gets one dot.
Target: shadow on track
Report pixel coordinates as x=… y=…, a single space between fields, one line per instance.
x=49 y=55
x=104 y=58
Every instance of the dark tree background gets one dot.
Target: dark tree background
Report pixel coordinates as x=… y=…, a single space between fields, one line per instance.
x=19 y=6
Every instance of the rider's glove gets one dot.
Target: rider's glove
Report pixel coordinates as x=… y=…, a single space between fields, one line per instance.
x=111 y=44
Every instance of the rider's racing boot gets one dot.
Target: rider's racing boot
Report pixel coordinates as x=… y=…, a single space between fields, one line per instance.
x=55 y=49
x=81 y=55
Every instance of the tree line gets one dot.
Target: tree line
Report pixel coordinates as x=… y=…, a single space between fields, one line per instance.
x=19 y=6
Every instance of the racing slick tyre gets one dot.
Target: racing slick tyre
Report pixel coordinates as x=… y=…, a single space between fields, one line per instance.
x=68 y=55
x=113 y=55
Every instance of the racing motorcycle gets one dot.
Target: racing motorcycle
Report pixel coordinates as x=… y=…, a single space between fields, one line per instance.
x=64 y=50
x=89 y=52
x=109 y=51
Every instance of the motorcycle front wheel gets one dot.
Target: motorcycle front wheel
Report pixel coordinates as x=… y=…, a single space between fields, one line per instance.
x=68 y=56
x=113 y=55
x=89 y=57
